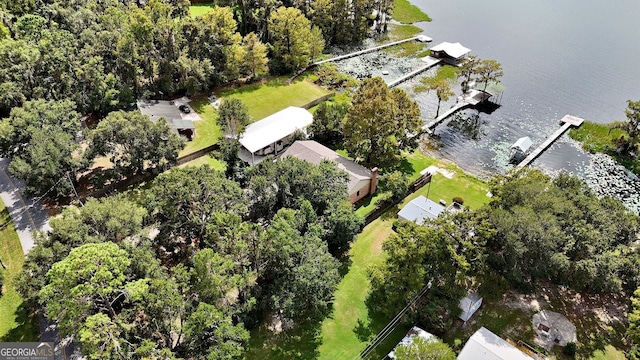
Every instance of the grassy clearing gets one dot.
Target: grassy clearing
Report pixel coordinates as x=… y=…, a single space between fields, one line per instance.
x=207 y=160
x=407 y=13
x=200 y=9
x=207 y=130
x=17 y=323
x=471 y=189
x=274 y=95
x=609 y=353
x=399 y=32
x=597 y=138
x=346 y=332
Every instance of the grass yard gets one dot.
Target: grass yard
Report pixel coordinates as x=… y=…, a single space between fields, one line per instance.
x=207 y=130
x=274 y=95
x=399 y=32
x=471 y=189
x=207 y=160
x=595 y=137
x=200 y=9
x=407 y=13
x=17 y=323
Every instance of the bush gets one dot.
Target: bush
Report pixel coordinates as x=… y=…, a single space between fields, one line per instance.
x=570 y=349
x=396 y=183
x=458 y=200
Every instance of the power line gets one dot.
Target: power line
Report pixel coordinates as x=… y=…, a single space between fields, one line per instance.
x=391 y=326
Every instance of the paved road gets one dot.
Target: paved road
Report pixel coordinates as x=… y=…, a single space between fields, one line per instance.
x=29 y=215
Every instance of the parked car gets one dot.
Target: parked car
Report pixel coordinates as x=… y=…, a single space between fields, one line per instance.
x=184 y=108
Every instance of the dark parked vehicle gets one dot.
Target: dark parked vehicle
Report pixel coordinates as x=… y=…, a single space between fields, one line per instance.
x=184 y=108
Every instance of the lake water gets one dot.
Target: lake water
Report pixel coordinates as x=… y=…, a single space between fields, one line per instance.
x=559 y=57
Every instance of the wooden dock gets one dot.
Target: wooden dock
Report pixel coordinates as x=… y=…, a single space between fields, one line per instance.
x=422 y=38
x=431 y=62
x=471 y=99
x=568 y=121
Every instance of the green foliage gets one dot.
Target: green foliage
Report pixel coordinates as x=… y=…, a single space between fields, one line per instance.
x=395 y=183
x=134 y=143
x=559 y=231
x=380 y=123
x=233 y=117
x=40 y=138
x=441 y=255
x=210 y=332
x=327 y=123
x=407 y=13
x=596 y=137
x=255 y=56
x=329 y=76
x=294 y=41
x=633 y=331
x=424 y=349
x=458 y=200
x=570 y=349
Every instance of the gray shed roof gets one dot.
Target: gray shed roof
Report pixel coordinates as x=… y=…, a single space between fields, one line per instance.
x=419 y=210
x=181 y=124
x=314 y=152
x=156 y=109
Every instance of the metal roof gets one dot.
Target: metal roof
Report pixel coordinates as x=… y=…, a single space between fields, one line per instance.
x=523 y=144
x=495 y=88
x=181 y=124
x=455 y=50
x=275 y=127
x=485 y=345
x=420 y=209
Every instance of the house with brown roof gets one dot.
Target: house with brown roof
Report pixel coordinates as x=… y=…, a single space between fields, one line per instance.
x=362 y=181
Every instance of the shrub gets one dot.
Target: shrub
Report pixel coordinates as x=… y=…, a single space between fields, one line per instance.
x=570 y=349
x=458 y=200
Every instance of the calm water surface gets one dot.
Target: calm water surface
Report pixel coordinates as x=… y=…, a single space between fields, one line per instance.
x=559 y=57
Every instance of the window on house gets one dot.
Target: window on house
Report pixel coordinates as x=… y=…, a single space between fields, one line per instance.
x=358 y=193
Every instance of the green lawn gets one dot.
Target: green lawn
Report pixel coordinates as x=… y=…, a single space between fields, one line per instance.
x=399 y=32
x=595 y=137
x=609 y=353
x=207 y=130
x=209 y=160
x=274 y=95
x=200 y=9
x=17 y=323
x=471 y=189
x=407 y=13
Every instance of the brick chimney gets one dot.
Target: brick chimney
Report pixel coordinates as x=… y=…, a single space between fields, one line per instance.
x=374 y=180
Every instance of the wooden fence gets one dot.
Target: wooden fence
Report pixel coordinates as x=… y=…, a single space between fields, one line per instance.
x=380 y=209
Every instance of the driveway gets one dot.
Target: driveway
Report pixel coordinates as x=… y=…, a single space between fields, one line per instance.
x=29 y=215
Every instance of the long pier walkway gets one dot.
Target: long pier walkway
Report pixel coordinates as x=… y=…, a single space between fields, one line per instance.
x=421 y=38
x=568 y=121
x=472 y=98
x=431 y=62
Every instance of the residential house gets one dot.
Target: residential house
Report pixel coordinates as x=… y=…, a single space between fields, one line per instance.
x=362 y=181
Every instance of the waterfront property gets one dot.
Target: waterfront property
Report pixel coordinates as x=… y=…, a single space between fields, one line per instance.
x=272 y=134
x=420 y=210
x=567 y=121
x=451 y=53
x=362 y=181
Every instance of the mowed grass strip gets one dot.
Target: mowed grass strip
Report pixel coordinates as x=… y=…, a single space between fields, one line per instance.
x=344 y=332
x=207 y=130
x=17 y=323
x=274 y=95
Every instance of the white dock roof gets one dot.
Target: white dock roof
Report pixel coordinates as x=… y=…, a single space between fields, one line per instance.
x=455 y=50
x=524 y=143
x=275 y=127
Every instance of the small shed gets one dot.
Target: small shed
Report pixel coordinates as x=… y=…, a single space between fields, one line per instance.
x=419 y=210
x=469 y=305
x=523 y=144
x=183 y=127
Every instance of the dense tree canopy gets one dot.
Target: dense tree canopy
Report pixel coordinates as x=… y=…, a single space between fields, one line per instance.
x=424 y=349
x=380 y=123
x=133 y=142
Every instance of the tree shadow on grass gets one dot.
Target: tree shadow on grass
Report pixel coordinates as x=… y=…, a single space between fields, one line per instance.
x=26 y=329
x=300 y=343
